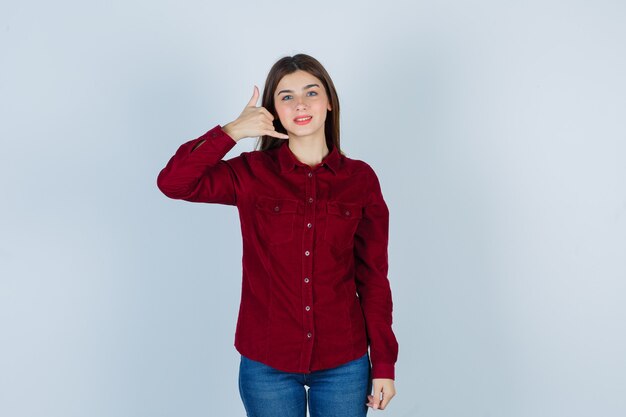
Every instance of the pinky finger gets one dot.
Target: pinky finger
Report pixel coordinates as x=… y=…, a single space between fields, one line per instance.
x=276 y=134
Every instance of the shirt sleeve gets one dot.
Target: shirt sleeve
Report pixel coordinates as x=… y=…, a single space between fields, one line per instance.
x=371 y=263
x=200 y=174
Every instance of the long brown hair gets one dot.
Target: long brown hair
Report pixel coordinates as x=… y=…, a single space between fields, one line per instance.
x=288 y=65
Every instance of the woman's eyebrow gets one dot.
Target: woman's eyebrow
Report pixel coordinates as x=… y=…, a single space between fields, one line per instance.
x=304 y=88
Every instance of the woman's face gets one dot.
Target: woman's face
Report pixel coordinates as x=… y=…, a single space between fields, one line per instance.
x=301 y=104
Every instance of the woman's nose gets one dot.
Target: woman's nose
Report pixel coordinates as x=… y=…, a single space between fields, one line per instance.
x=300 y=104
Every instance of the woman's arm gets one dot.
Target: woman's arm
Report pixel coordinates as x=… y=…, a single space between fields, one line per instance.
x=370 y=249
x=371 y=263
x=197 y=172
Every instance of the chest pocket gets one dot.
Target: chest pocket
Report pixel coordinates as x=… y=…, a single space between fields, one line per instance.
x=342 y=220
x=277 y=218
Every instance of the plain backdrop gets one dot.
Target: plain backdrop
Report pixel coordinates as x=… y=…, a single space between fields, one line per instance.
x=497 y=130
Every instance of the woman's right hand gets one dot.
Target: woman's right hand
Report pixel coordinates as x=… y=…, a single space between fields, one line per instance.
x=252 y=122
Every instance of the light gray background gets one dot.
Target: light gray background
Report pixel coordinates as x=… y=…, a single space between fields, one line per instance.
x=497 y=131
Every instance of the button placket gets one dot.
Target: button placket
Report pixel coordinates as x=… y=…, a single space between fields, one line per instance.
x=307 y=268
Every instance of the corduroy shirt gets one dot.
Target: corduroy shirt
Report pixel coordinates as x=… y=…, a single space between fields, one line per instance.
x=315 y=292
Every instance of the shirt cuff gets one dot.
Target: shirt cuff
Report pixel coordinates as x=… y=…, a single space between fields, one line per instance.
x=216 y=132
x=383 y=370
x=219 y=130
x=215 y=141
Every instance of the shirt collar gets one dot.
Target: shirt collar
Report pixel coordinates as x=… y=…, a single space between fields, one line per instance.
x=288 y=160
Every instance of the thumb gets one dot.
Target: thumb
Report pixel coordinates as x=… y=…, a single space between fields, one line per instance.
x=254 y=99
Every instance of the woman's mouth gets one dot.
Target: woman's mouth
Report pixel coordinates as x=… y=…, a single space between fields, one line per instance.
x=302 y=120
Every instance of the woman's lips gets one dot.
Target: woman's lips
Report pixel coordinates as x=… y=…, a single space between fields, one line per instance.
x=302 y=120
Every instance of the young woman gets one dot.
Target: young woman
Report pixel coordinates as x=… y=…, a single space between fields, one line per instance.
x=315 y=293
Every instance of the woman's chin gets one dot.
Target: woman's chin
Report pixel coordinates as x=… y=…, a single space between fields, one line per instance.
x=301 y=133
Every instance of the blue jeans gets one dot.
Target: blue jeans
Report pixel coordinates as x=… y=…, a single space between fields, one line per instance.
x=335 y=392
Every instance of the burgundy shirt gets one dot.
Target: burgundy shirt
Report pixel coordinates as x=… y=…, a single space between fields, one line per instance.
x=315 y=291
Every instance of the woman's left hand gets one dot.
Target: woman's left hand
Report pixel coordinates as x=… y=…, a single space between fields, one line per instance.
x=384 y=386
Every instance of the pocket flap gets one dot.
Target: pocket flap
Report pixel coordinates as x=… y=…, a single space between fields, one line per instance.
x=277 y=205
x=345 y=210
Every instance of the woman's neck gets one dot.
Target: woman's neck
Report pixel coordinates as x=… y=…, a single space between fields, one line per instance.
x=308 y=150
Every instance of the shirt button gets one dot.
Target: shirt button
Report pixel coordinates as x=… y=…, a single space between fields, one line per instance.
x=276 y=208
x=309 y=225
x=347 y=212
x=307 y=253
x=310 y=199
x=309 y=335
x=310 y=174
x=307 y=308
x=306 y=280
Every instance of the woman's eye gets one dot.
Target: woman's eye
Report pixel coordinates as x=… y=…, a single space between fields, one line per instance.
x=287 y=96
